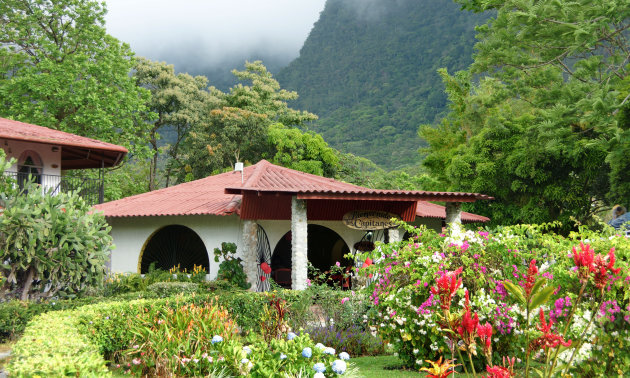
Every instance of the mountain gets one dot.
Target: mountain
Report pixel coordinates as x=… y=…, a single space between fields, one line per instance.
x=368 y=70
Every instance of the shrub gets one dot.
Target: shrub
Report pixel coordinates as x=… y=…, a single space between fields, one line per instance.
x=411 y=315
x=15 y=314
x=166 y=337
x=114 y=329
x=51 y=346
x=167 y=289
x=49 y=245
x=353 y=340
x=230 y=269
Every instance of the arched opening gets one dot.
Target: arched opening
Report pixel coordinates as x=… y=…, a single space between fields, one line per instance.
x=325 y=248
x=173 y=246
x=29 y=164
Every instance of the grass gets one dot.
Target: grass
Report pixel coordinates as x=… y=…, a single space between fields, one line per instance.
x=382 y=366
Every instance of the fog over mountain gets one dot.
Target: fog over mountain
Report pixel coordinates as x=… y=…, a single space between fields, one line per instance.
x=212 y=37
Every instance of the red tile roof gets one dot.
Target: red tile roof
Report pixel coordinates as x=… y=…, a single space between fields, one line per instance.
x=210 y=196
x=431 y=210
x=74 y=144
x=272 y=178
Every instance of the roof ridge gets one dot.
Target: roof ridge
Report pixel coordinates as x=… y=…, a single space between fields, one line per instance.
x=311 y=175
x=259 y=168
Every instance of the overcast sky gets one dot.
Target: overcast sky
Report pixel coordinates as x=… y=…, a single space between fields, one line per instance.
x=211 y=32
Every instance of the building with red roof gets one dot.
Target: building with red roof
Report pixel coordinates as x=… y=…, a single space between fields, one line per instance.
x=44 y=153
x=278 y=217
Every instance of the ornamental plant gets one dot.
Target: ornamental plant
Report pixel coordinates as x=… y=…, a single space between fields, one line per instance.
x=231 y=268
x=510 y=274
x=50 y=245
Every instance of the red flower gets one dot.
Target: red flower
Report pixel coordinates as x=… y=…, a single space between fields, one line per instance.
x=531 y=278
x=446 y=287
x=263 y=278
x=498 y=372
x=485 y=334
x=265 y=268
x=548 y=339
x=602 y=266
x=367 y=263
x=584 y=260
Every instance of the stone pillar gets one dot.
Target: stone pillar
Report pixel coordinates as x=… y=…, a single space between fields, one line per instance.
x=249 y=242
x=454 y=216
x=299 y=244
x=394 y=235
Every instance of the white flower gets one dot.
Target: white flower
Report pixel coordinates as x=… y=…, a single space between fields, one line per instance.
x=339 y=366
x=415 y=351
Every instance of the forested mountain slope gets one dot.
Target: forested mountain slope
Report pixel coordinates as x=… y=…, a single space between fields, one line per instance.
x=368 y=70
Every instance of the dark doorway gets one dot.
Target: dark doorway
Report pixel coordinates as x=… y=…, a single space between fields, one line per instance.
x=325 y=248
x=172 y=246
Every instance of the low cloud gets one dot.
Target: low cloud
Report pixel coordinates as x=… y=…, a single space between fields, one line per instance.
x=198 y=35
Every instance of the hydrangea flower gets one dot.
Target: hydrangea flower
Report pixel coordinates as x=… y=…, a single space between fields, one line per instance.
x=319 y=375
x=344 y=356
x=330 y=351
x=319 y=367
x=307 y=352
x=291 y=336
x=216 y=339
x=320 y=346
x=283 y=356
x=339 y=366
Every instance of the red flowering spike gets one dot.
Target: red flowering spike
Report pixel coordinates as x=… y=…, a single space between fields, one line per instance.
x=532 y=272
x=601 y=267
x=446 y=286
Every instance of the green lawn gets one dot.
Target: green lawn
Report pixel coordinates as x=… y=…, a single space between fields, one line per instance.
x=382 y=366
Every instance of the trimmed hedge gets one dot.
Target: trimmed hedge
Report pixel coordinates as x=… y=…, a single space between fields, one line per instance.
x=15 y=315
x=52 y=345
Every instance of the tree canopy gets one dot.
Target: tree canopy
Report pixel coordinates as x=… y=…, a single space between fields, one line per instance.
x=237 y=127
x=534 y=121
x=59 y=68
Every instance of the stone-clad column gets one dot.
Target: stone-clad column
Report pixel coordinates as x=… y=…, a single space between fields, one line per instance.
x=454 y=216
x=250 y=246
x=299 y=243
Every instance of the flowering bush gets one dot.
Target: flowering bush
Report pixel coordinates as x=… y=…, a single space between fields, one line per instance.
x=418 y=279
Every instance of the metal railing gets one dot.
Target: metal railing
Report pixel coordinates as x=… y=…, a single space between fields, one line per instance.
x=90 y=189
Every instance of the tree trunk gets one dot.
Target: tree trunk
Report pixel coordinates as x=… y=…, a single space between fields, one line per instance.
x=28 y=282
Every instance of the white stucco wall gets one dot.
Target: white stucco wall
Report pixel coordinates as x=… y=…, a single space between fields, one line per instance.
x=14 y=149
x=431 y=223
x=130 y=234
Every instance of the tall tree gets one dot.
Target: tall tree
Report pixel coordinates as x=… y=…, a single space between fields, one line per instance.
x=178 y=100
x=59 y=68
x=538 y=132
x=236 y=128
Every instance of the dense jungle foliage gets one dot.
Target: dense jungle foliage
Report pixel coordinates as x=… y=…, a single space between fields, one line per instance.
x=369 y=71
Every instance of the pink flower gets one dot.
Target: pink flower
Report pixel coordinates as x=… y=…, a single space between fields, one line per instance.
x=344 y=300
x=338 y=263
